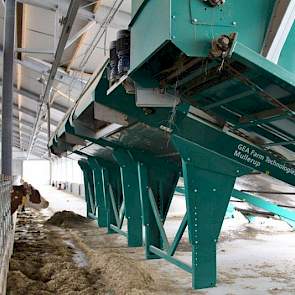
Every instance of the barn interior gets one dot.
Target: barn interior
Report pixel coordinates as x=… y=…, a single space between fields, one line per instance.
x=147 y=147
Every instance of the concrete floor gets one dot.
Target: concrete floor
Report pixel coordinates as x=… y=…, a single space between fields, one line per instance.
x=253 y=259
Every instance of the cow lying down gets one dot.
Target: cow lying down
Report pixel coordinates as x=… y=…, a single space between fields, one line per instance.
x=26 y=195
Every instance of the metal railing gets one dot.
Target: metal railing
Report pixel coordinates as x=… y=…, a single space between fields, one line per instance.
x=6 y=222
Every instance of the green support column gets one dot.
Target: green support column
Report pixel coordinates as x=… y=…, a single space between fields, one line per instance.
x=110 y=176
x=209 y=180
x=111 y=219
x=152 y=233
x=160 y=178
x=130 y=187
x=89 y=189
x=102 y=219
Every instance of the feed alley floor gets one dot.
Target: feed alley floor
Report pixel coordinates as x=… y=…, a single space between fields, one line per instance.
x=256 y=258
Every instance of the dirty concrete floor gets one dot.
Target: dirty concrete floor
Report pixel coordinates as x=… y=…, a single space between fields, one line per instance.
x=43 y=262
x=252 y=259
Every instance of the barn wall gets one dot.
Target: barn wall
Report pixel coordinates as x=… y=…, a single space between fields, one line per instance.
x=67 y=174
x=17 y=168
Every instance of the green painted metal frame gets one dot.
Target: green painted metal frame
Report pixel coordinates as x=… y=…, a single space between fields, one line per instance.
x=111 y=183
x=257 y=201
x=241 y=152
x=168 y=249
x=89 y=190
x=107 y=188
x=209 y=169
x=208 y=180
x=288 y=51
x=128 y=171
x=119 y=215
x=192 y=25
x=157 y=181
x=102 y=216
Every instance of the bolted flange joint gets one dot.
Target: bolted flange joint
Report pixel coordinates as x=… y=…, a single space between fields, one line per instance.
x=214 y=3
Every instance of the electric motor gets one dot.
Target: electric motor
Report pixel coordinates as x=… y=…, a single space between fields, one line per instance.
x=113 y=62
x=123 y=51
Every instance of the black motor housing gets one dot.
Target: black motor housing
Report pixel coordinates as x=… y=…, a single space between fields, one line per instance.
x=123 y=51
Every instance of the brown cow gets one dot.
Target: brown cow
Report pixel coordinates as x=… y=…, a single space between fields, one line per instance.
x=26 y=195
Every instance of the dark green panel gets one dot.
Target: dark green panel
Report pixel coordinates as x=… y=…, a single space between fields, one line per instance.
x=153 y=20
x=208 y=23
x=287 y=57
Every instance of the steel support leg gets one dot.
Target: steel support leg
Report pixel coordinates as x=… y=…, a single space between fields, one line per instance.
x=160 y=180
x=102 y=214
x=130 y=187
x=209 y=181
x=110 y=177
x=89 y=189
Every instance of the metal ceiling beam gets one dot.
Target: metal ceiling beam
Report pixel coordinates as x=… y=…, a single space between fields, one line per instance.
x=83 y=13
x=67 y=25
x=26 y=140
x=41 y=140
x=35 y=98
x=29 y=132
x=17 y=145
x=25 y=144
x=43 y=68
x=23 y=122
x=18 y=122
x=34 y=51
x=280 y=25
x=27 y=124
x=28 y=112
x=63 y=7
x=85 y=29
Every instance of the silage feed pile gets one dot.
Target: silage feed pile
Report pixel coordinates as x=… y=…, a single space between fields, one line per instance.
x=45 y=260
x=67 y=219
x=42 y=263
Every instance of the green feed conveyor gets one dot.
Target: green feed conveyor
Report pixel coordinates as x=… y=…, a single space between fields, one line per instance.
x=200 y=101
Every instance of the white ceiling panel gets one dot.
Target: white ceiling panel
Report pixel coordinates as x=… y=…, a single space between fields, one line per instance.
x=41 y=29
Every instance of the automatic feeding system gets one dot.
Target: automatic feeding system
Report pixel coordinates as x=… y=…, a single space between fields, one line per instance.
x=187 y=92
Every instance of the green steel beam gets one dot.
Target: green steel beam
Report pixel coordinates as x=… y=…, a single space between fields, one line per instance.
x=290 y=222
x=114 y=205
x=242 y=153
x=253 y=122
x=177 y=262
x=158 y=220
x=130 y=187
x=119 y=230
x=152 y=233
x=208 y=180
x=89 y=189
x=266 y=205
x=287 y=55
x=228 y=100
x=160 y=177
x=99 y=193
x=92 y=216
x=106 y=181
x=178 y=236
x=230 y=211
